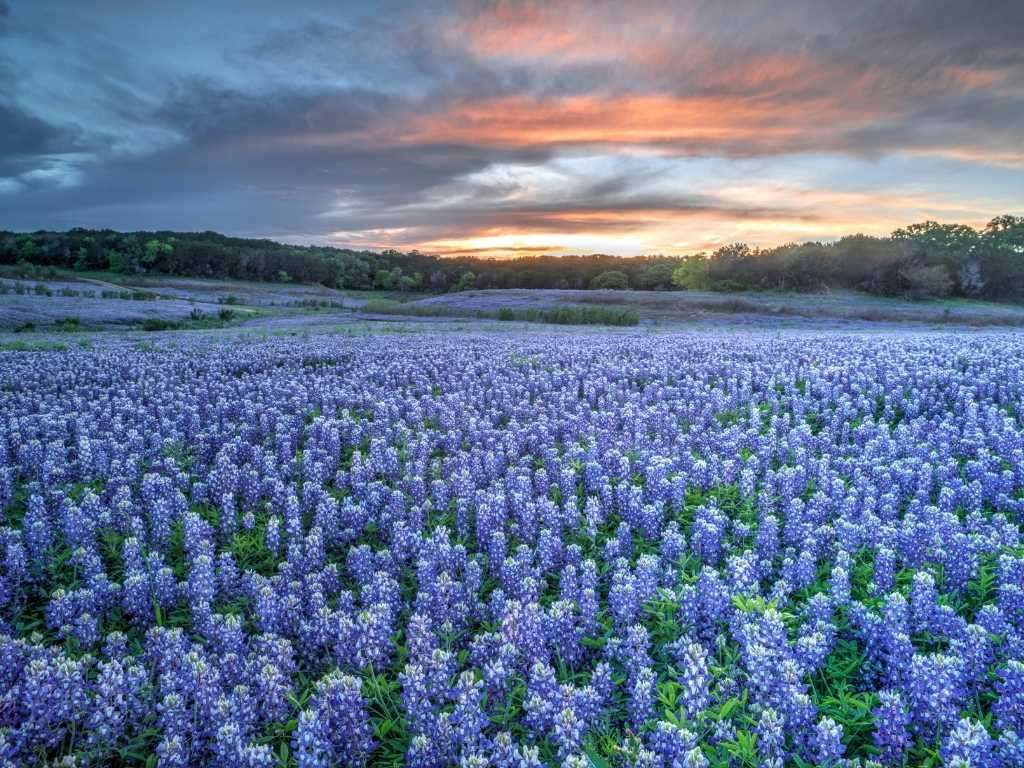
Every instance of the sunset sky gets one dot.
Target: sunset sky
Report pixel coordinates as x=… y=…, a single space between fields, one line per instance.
x=507 y=128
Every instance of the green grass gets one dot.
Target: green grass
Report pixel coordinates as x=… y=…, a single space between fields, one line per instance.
x=392 y=307
x=32 y=346
x=197 y=321
x=573 y=315
x=568 y=315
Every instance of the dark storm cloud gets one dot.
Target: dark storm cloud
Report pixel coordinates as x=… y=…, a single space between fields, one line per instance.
x=244 y=159
x=22 y=134
x=330 y=116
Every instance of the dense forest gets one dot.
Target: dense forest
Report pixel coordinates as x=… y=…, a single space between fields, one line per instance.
x=922 y=260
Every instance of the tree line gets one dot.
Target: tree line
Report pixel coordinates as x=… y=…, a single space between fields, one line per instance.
x=922 y=260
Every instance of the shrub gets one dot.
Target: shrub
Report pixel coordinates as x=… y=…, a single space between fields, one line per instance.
x=691 y=274
x=727 y=286
x=68 y=324
x=573 y=316
x=610 y=280
x=923 y=281
x=160 y=324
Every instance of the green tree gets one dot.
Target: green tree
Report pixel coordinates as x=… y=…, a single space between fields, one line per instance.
x=613 y=280
x=940 y=238
x=926 y=280
x=90 y=255
x=656 y=276
x=383 y=280
x=466 y=282
x=153 y=250
x=28 y=250
x=121 y=261
x=692 y=273
x=1006 y=232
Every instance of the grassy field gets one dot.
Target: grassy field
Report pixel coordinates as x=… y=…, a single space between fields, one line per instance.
x=68 y=302
x=683 y=306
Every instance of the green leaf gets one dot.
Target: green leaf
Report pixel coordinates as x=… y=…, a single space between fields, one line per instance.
x=726 y=709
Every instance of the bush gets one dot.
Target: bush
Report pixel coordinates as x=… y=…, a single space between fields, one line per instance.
x=727 y=286
x=610 y=280
x=559 y=315
x=691 y=274
x=926 y=281
x=160 y=324
x=573 y=316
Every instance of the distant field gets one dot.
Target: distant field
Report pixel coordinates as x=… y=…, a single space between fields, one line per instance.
x=688 y=306
x=102 y=301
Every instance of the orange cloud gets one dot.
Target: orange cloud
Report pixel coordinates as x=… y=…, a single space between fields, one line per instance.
x=725 y=124
x=629 y=232
x=518 y=30
x=967 y=78
x=571 y=32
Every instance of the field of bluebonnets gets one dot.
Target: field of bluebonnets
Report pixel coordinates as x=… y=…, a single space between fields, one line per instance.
x=514 y=550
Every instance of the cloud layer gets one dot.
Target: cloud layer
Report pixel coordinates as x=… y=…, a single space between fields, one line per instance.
x=511 y=127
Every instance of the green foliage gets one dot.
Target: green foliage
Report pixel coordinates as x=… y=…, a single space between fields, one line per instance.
x=197 y=320
x=691 y=273
x=657 y=276
x=925 y=259
x=574 y=316
x=568 y=315
x=160 y=324
x=68 y=324
x=611 y=280
x=466 y=282
x=32 y=346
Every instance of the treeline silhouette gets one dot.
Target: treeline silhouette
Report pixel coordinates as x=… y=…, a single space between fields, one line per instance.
x=921 y=260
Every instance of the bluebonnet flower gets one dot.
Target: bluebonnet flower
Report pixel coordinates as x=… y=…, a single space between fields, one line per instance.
x=694 y=677
x=891 y=727
x=671 y=743
x=497 y=519
x=935 y=690
x=335 y=726
x=642 y=697
x=828 y=742
x=771 y=736
x=1009 y=704
x=970 y=744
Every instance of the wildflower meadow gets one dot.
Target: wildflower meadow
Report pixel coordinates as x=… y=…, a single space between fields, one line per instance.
x=676 y=550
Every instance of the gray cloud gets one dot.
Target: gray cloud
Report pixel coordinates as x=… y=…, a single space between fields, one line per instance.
x=228 y=131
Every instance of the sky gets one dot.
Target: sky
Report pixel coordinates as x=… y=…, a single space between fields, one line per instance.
x=511 y=128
